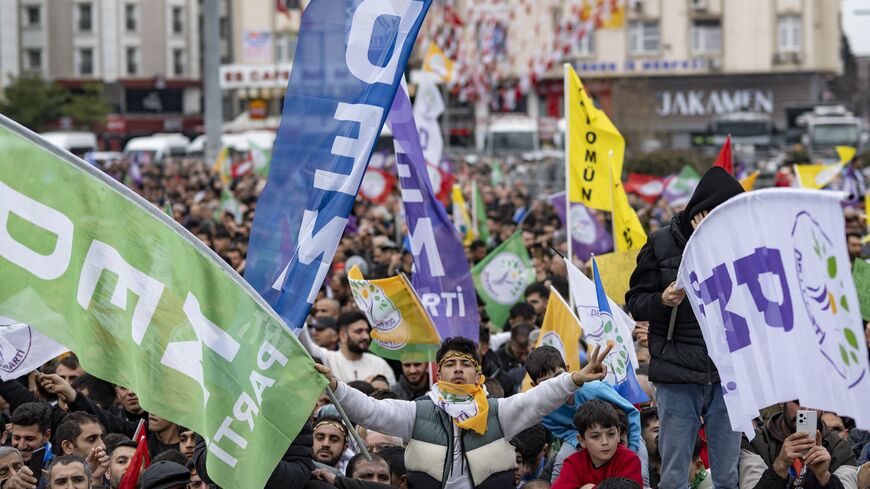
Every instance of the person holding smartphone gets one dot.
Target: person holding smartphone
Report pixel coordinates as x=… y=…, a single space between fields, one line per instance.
x=795 y=449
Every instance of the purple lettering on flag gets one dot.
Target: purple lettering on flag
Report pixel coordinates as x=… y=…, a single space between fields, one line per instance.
x=441 y=275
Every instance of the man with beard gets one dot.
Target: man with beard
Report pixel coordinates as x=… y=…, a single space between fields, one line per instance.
x=414 y=381
x=769 y=460
x=330 y=441
x=352 y=360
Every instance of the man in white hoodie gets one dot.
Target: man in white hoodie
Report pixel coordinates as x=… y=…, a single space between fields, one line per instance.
x=456 y=437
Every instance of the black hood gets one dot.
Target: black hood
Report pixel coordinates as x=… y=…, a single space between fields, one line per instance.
x=715 y=187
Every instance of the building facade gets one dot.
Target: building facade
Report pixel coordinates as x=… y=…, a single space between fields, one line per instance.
x=672 y=67
x=144 y=53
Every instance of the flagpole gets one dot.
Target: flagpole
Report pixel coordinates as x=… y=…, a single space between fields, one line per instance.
x=612 y=202
x=474 y=229
x=356 y=438
x=567 y=114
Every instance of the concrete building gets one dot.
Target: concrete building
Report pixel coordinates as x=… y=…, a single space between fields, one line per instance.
x=254 y=79
x=145 y=53
x=676 y=65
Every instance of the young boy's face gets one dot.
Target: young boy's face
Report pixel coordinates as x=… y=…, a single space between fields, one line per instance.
x=600 y=442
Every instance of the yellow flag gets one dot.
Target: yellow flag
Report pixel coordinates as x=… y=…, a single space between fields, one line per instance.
x=817 y=176
x=591 y=138
x=629 y=234
x=560 y=329
x=401 y=328
x=438 y=63
x=616 y=269
x=222 y=165
x=749 y=181
x=461 y=218
x=614 y=16
x=846 y=153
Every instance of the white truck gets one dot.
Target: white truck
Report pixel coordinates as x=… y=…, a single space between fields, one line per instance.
x=512 y=135
x=827 y=127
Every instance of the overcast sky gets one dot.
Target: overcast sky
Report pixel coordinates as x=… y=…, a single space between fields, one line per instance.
x=856 y=23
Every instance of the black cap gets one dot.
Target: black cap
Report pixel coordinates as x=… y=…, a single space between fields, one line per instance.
x=165 y=475
x=325 y=322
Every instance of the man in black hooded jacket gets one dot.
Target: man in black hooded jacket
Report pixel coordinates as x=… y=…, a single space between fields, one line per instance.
x=687 y=383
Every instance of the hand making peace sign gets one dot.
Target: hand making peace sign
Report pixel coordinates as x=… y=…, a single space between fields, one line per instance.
x=595 y=369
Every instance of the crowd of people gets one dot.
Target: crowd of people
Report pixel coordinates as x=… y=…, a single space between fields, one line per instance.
x=464 y=421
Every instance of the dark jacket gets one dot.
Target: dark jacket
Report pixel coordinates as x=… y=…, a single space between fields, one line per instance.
x=16 y=394
x=769 y=439
x=682 y=358
x=511 y=370
x=771 y=480
x=293 y=471
x=406 y=392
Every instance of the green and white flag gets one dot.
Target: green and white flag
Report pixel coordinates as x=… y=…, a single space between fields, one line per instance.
x=502 y=277
x=144 y=304
x=262 y=157
x=480 y=223
x=230 y=204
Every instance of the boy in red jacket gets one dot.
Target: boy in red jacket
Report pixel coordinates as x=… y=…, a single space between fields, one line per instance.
x=602 y=457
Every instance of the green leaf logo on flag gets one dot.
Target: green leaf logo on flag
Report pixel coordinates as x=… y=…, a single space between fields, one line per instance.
x=502 y=277
x=90 y=264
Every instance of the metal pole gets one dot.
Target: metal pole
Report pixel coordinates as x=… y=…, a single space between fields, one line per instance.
x=567 y=115
x=356 y=438
x=211 y=79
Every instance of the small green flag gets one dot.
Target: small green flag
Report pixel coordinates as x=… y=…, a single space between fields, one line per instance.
x=93 y=266
x=502 y=277
x=262 y=158
x=167 y=208
x=861 y=274
x=230 y=204
x=481 y=226
x=497 y=175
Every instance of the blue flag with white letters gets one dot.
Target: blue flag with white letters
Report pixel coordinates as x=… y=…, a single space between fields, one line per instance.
x=620 y=372
x=349 y=61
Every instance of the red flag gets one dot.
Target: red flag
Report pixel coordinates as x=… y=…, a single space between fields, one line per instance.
x=376 y=185
x=140 y=461
x=724 y=159
x=647 y=186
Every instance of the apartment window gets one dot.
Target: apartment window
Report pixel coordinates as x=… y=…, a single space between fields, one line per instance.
x=132 y=61
x=86 y=61
x=34 y=59
x=788 y=33
x=32 y=15
x=285 y=47
x=178 y=62
x=177 y=20
x=131 y=17
x=224 y=27
x=644 y=36
x=85 y=17
x=706 y=37
x=586 y=45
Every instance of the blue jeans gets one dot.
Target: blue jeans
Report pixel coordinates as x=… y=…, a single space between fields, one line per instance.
x=680 y=409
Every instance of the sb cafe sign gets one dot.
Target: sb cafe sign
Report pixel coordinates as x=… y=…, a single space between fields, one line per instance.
x=698 y=103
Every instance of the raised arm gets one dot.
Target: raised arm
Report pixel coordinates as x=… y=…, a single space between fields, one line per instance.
x=388 y=416
x=521 y=411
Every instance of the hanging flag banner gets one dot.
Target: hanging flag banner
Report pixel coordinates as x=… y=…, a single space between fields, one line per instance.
x=349 y=61
x=144 y=304
x=377 y=185
x=401 y=329
x=589 y=235
x=428 y=106
x=777 y=305
x=443 y=282
x=605 y=332
x=502 y=277
x=594 y=146
x=680 y=187
x=648 y=187
x=586 y=301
